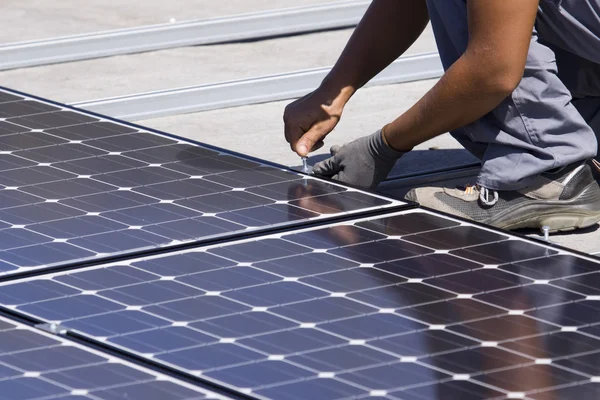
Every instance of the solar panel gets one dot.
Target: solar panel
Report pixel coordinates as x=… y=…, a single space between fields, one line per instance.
x=409 y=305
x=37 y=365
x=77 y=187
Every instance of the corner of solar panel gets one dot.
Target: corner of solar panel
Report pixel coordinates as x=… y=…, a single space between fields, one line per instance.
x=196 y=273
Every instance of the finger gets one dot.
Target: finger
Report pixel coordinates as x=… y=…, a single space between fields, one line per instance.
x=334 y=149
x=308 y=141
x=292 y=134
x=318 y=145
x=343 y=177
x=327 y=168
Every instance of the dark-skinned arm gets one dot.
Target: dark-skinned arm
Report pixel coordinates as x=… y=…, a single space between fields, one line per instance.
x=387 y=30
x=489 y=71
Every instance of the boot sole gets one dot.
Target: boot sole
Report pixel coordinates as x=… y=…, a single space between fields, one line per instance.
x=580 y=212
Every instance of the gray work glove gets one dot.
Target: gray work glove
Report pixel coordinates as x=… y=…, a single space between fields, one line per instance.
x=364 y=162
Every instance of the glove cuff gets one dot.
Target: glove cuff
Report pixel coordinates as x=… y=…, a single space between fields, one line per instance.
x=380 y=149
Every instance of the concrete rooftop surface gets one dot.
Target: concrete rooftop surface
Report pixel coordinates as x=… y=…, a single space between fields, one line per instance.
x=256 y=130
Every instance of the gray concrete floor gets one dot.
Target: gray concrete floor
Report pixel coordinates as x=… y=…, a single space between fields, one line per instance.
x=256 y=130
x=23 y=20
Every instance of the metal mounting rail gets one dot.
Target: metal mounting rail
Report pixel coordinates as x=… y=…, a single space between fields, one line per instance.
x=249 y=91
x=341 y=14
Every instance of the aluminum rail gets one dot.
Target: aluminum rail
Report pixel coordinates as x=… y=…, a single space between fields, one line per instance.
x=249 y=91
x=341 y=14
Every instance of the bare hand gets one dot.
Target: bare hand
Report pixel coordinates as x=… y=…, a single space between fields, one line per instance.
x=309 y=119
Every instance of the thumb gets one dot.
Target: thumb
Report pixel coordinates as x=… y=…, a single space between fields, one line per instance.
x=311 y=138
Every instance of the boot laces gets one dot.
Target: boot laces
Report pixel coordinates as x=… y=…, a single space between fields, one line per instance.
x=486 y=196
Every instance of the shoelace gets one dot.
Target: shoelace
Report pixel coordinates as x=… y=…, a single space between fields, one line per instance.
x=596 y=164
x=486 y=196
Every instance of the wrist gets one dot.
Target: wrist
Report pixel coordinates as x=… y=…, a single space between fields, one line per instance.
x=339 y=92
x=392 y=141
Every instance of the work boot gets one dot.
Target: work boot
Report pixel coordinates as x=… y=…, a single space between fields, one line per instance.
x=563 y=200
x=595 y=165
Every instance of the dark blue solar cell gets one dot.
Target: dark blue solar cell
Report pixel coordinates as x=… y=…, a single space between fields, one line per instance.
x=150 y=293
x=46 y=254
x=106 y=278
x=402 y=296
x=227 y=201
x=98 y=376
x=459 y=390
x=77 y=227
x=228 y=279
x=158 y=390
x=188 y=229
x=15 y=340
x=473 y=361
x=175 y=190
x=211 y=357
x=393 y=376
x=306 y=265
x=68 y=188
x=71 y=307
x=33 y=291
x=260 y=250
x=33 y=176
x=324 y=310
x=314 y=389
x=381 y=251
x=18 y=237
x=38 y=213
x=9 y=161
x=167 y=338
x=268 y=215
x=292 y=341
x=29 y=388
x=549 y=268
x=15 y=198
x=335 y=236
x=196 y=308
x=352 y=280
x=275 y=294
x=419 y=344
x=58 y=154
x=29 y=140
x=150 y=214
x=52 y=358
x=99 y=165
x=372 y=326
x=344 y=358
x=118 y=241
x=246 y=324
x=582 y=313
x=109 y=201
x=339 y=202
x=261 y=374
x=117 y=323
x=7 y=373
x=52 y=120
x=182 y=264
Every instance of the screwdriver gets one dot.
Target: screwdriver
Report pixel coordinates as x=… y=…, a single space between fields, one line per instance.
x=305 y=167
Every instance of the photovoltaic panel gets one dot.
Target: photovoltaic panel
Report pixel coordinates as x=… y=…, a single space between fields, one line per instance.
x=77 y=187
x=409 y=305
x=36 y=365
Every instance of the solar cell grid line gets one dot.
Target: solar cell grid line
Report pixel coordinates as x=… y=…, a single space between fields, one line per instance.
x=37 y=365
x=398 y=306
x=77 y=187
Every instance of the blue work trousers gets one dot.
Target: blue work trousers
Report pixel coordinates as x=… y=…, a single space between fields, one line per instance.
x=552 y=119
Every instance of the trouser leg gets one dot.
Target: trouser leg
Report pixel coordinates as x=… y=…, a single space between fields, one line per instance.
x=535 y=129
x=571 y=28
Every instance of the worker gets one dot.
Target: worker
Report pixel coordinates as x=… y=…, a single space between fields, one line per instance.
x=521 y=91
